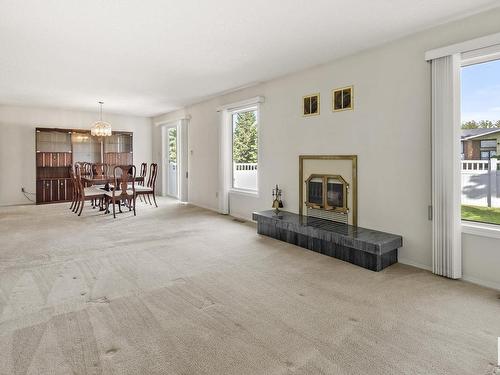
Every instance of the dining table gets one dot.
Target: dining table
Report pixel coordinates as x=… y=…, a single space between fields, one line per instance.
x=103 y=180
x=92 y=180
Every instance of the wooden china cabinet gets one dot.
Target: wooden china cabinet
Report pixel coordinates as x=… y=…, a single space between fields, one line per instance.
x=53 y=162
x=58 y=149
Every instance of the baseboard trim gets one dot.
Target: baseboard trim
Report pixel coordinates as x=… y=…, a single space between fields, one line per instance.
x=245 y=218
x=488 y=284
x=18 y=204
x=414 y=264
x=467 y=278
x=204 y=207
x=235 y=215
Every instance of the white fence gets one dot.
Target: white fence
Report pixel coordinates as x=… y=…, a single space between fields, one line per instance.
x=245 y=175
x=481 y=182
x=479 y=165
x=172 y=179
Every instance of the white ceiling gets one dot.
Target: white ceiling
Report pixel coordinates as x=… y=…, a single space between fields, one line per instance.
x=147 y=57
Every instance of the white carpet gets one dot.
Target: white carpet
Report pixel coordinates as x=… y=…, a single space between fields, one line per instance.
x=181 y=290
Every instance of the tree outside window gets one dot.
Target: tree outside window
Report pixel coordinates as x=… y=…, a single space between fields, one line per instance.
x=172 y=145
x=245 y=149
x=245 y=146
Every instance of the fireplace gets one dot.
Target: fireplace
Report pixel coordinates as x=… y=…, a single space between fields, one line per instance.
x=327 y=192
x=328 y=187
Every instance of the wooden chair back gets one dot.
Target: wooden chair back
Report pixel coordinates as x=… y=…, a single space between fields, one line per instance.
x=144 y=171
x=100 y=169
x=72 y=172
x=77 y=179
x=86 y=169
x=72 y=176
x=124 y=181
x=153 y=173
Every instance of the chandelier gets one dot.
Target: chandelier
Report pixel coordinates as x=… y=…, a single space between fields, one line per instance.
x=100 y=128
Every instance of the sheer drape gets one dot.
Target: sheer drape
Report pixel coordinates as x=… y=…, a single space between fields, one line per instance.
x=225 y=162
x=446 y=185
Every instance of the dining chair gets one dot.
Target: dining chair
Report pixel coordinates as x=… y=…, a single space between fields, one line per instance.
x=77 y=171
x=74 y=195
x=99 y=169
x=89 y=193
x=143 y=172
x=86 y=169
x=123 y=188
x=150 y=189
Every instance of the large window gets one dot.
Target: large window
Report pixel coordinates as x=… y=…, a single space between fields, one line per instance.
x=245 y=148
x=480 y=172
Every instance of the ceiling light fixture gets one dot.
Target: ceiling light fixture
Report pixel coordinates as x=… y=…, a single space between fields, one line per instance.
x=100 y=128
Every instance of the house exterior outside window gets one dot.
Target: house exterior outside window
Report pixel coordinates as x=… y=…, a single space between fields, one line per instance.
x=480 y=144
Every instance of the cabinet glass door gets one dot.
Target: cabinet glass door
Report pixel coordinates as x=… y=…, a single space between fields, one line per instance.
x=86 y=148
x=53 y=141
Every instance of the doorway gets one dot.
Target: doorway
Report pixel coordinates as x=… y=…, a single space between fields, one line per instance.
x=174 y=160
x=170 y=166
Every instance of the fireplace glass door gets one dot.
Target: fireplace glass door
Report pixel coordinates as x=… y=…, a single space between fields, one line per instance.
x=335 y=193
x=315 y=189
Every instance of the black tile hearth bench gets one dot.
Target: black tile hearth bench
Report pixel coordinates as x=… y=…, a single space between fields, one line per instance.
x=367 y=248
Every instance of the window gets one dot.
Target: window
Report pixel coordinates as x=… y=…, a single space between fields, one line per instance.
x=239 y=151
x=489 y=143
x=245 y=148
x=480 y=172
x=488 y=148
x=487 y=155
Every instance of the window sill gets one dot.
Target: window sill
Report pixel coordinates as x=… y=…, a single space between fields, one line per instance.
x=481 y=229
x=248 y=193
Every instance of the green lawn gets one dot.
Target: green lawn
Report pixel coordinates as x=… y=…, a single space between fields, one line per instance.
x=482 y=214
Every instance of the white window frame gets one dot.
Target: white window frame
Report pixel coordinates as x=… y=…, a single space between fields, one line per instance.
x=479 y=56
x=226 y=148
x=231 y=113
x=481 y=229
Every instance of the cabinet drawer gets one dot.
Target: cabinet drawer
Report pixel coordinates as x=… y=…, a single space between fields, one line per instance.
x=53 y=159
x=55 y=190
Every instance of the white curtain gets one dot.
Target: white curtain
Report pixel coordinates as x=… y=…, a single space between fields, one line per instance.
x=446 y=184
x=225 y=167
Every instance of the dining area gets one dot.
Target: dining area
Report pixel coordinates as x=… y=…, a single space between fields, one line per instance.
x=112 y=189
x=92 y=171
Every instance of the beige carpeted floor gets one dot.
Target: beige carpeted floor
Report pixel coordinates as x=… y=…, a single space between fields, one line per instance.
x=181 y=290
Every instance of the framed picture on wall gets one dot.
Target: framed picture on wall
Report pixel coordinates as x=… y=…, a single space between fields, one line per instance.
x=310 y=106
x=342 y=99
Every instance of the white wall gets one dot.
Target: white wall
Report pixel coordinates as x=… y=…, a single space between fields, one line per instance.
x=389 y=130
x=17 y=142
x=481 y=260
